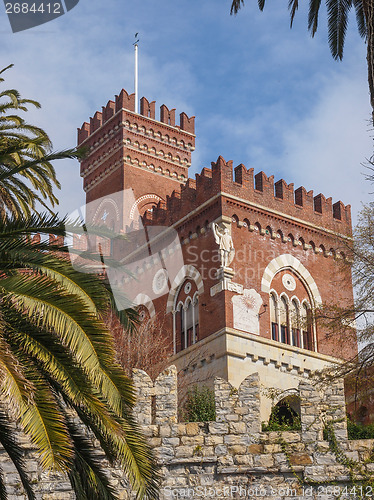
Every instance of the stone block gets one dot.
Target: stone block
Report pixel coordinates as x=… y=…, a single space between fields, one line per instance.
x=255 y=449
x=165 y=431
x=154 y=442
x=178 y=429
x=220 y=450
x=213 y=440
x=243 y=460
x=184 y=452
x=237 y=449
x=239 y=439
x=237 y=427
x=300 y=459
x=218 y=428
x=263 y=460
x=192 y=428
x=171 y=441
x=192 y=440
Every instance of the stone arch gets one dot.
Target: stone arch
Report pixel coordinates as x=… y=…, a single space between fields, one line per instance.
x=287 y=261
x=143 y=300
x=187 y=271
x=147 y=199
x=108 y=201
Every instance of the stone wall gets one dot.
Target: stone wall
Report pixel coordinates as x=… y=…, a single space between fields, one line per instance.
x=231 y=457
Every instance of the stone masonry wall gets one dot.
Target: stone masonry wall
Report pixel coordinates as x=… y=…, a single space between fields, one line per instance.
x=231 y=457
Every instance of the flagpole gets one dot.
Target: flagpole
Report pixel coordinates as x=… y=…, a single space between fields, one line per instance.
x=136 y=76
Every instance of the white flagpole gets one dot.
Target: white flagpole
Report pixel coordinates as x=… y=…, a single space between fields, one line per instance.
x=136 y=76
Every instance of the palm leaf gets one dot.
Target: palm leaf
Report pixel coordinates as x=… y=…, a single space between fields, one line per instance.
x=293 y=5
x=337 y=20
x=360 y=18
x=87 y=474
x=43 y=422
x=235 y=6
x=314 y=6
x=15 y=452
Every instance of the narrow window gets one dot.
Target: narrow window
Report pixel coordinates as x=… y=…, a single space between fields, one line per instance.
x=196 y=319
x=189 y=324
x=295 y=324
x=306 y=324
x=273 y=318
x=283 y=319
x=182 y=329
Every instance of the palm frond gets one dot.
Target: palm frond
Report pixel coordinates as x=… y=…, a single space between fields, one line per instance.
x=43 y=422
x=293 y=5
x=87 y=474
x=235 y=6
x=15 y=452
x=360 y=18
x=313 y=13
x=337 y=20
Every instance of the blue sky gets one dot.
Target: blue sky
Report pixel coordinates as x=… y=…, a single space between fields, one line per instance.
x=263 y=95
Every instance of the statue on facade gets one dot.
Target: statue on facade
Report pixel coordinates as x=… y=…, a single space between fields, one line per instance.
x=223 y=239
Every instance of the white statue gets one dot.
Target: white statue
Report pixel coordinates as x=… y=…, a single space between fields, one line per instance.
x=223 y=239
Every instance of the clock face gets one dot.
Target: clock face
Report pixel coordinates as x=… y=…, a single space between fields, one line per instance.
x=289 y=282
x=160 y=282
x=107 y=214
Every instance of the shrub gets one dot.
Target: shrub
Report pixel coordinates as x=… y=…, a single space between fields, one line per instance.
x=357 y=430
x=200 y=405
x=282 y=418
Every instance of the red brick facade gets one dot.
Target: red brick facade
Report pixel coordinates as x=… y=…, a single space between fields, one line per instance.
x=288 y=243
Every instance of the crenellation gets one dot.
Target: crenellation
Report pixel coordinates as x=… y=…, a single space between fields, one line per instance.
x=148 y=108
x=167 y=116
x=125 y=101
x=108 y=111
x=259 y=189
x=96 y=121
x=319 y=203
x=263 y=183
x=83 y=132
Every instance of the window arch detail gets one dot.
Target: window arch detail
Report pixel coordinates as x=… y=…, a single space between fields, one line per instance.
x=144 y=300
x=291 y=323
x=185 y=319
x=185 y=272
x=287 y=261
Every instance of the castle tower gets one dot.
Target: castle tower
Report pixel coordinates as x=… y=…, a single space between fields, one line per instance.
x=135 y=151
x=259 y=257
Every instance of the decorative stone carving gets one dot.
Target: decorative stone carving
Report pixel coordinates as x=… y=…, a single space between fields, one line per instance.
x=222 y=236
x=246 y=308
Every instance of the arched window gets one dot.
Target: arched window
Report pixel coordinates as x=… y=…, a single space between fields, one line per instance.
x=283 y=320
x=295 y=323
x=306 y=325
x=196 y=317
x=186 y=317
x=189 y=323
x=274 y=317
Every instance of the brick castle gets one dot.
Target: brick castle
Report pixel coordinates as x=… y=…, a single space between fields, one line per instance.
x=258 y=256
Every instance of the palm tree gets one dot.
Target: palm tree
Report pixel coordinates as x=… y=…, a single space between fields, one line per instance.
x=57 y=360
x=57 y=364
x=337 y=22
x=27 y=177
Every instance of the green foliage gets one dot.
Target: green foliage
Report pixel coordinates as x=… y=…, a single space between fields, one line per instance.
x=357 y=430
x=57 y=358
x=337 y=19
x=278 y=422
x=200 y=405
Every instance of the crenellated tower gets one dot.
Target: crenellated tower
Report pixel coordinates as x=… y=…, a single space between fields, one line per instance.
x=134 y=151
x=287 y=251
